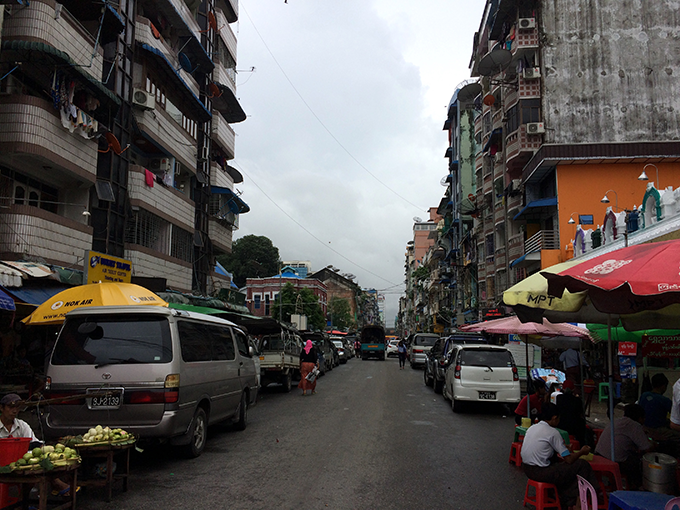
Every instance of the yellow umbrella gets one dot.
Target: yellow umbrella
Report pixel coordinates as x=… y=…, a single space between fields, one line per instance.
x=55 y=309
x=532 y=292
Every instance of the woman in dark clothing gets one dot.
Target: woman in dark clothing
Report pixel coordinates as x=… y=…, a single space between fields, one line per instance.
x=309 y=360
x=401 y=351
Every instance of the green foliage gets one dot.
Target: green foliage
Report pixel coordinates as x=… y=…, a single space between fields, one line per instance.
x=251 y=257
x=304 y=301
x=340 y=313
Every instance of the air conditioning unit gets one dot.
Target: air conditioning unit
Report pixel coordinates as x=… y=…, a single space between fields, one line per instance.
x=531 y=73
x=516 y=183
x=143 y=99
x=204 y=154
x=535 y=128
x=527 y=23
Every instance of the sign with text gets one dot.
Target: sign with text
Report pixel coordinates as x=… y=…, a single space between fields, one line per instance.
x=103 y=268
x=627 y=349
x=659 y=346
x=493 y=313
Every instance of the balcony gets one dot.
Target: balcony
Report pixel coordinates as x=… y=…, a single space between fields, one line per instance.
x=223 y=135
x=497 y=118
x=229 y=9
x=499 y=213
x=166 y=202
x=529 y=89
x=519 y=147
x=515 y=202
x=526 y=40
x=40 y=22
x=479 y=161
x=488 y=184
x=511 y=97
x=220 y=232
x=30 y=232
x=222 y=76
x=516 y=246
x=219 y=177
x=31 y=134
x=167 y=133
x=500 y=259
x=151 y=263
x=542 y=240
x=226 y=33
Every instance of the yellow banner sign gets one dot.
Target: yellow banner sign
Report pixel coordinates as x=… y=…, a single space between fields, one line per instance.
x=102 y=268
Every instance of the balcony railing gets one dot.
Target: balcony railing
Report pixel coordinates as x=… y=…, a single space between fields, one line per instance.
x=525 y=40
x=500 y=259
x=542 y=240
x=516 y=246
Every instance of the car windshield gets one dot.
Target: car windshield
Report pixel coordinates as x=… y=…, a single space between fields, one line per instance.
x=338 y=344
x=486 y=358
x=425 y=340
x=272 y=343
x=113 y=339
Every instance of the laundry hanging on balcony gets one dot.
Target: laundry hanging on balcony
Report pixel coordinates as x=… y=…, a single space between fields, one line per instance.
x=65 y=97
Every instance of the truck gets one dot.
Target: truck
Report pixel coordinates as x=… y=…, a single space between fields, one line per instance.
x=279 y=346
x=372 y=342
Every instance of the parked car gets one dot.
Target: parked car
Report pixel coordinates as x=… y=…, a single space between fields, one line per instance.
x=392 y=348
x=481 y=373
x=343 y=353
x=438 y=367
x=335 y=356
x=160 y=373
x=420 y=346
x=434 y=358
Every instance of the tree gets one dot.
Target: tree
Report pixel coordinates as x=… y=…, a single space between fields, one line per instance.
x=340 y=313
x=251 y=257
x=292 y=300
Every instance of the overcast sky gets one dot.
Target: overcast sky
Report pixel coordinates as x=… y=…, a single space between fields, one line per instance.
x=343 y=145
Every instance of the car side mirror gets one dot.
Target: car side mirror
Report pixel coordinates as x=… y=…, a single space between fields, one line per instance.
x=251 y=351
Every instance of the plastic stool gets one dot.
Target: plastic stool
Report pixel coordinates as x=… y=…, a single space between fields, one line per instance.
x=597 y=433
x=604 y=391
x=541 y=499
x=574 y=444
x=516 y=453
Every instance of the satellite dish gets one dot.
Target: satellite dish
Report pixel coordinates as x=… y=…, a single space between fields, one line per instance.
x=185 y=63
x=155 y=32
x=113 y=144
x=469 y=92
x=444 y=181
x=494 y=62
x=212 y=22
x=417 y=219
x=214 y=90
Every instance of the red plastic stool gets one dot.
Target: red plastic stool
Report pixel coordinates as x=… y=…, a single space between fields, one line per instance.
x=515 y=454
x=574 y=444
x=597 y=433
x=541 y=499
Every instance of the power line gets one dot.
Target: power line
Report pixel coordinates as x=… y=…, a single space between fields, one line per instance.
x=309 y=232
x=330 y=133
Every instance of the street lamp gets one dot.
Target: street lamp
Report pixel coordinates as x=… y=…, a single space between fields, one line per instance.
x=605 y=199
x=571 y=218
x=643 y=175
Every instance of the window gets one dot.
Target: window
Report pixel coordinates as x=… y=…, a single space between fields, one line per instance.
x=531 y=110
x=182 y=244
x=205 y=342
x=222 y=342
x=241 y=342
x=266 y=305
x=485 y=358
x=148 y=230
x=157 y=91
x=114 y=339
x=256 y=300
x=513 y=121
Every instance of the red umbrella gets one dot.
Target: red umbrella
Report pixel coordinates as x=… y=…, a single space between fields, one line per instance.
x=512 y=325
x=630 y=280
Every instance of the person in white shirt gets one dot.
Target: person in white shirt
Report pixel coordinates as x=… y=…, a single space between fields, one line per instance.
x=675 y=409
x=11 y=426
x=545 y=458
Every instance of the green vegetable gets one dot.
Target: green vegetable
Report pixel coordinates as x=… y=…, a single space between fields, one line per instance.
x=22 y=462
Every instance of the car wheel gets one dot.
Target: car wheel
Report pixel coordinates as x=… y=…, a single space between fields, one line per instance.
x=456 y=405
x=287 y=382
x=242 y=422
x=198 y=434
x=438 y=386
x=428 y=380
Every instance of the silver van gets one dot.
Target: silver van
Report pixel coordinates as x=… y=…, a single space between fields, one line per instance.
x=157 y=372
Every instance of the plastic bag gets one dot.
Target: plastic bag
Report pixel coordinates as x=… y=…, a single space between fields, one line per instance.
x=311 y=377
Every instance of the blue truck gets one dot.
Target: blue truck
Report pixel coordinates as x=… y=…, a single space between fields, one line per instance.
x=372 y=342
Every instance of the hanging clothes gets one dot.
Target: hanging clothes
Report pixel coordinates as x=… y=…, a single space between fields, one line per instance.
x=149 y=178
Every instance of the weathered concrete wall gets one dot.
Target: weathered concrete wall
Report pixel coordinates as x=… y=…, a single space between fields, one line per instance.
x=612 y=70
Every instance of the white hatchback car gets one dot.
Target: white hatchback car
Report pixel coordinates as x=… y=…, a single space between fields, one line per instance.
x=481 y=373
x=393 y=348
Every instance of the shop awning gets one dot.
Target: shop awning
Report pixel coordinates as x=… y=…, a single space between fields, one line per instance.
x=449 y=152
x=35 y=295
x=111 y=25
x=10 y=277
x=41 y=53
x=227 y=104
x=6 y=302
x=196 y=111
x=236 y=205
x=537 y=207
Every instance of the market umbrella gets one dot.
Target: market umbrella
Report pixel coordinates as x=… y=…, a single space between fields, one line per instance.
x=513 y=325
x=55 y=309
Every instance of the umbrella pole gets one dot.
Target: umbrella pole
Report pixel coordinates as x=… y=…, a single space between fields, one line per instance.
x=580 y=362
x=526 y=348
x=611 y=383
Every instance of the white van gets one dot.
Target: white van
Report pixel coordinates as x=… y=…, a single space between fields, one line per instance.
x=159 y=373
x=481 y=373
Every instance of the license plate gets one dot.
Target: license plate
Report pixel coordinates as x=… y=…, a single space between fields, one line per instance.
x=105 y=401
x=372 y=346
x=487 y=395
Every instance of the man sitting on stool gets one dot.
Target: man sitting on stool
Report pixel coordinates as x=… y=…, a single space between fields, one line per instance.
x=541 y=451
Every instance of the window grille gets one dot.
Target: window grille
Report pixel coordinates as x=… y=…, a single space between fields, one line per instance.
x=182 y=244
x=148 y=230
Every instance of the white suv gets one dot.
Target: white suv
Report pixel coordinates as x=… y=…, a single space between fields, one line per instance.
x=420 y=346
x=481 y=373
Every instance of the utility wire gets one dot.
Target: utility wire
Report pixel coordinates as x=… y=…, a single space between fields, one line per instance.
x=250 y=177
x=330 y=133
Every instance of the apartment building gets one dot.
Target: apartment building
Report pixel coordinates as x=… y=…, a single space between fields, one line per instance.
x=115 y=135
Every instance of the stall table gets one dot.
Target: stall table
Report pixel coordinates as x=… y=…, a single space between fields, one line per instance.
x=638 y=500
x=43 y=479
x=108 y=452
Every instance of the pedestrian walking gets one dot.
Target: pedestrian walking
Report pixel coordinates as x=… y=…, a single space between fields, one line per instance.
x=401 y=351
x=309 y=360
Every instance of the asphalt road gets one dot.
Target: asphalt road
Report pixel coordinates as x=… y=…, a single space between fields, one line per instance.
x=373 y=437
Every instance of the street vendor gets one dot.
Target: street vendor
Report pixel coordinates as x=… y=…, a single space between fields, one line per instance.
x=545 y=458
x=11 y=426
x=571 y=360
x=536 y=400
